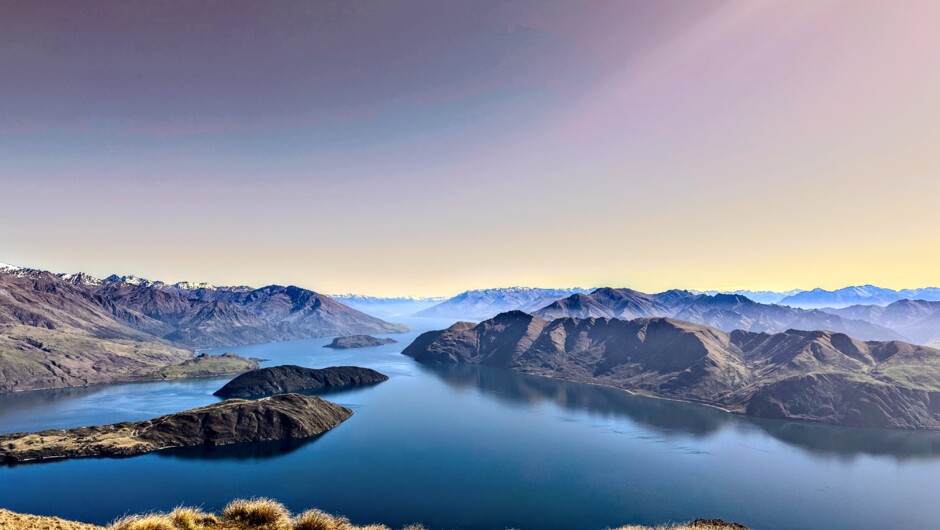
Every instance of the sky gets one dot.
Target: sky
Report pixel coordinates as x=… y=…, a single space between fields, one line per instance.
x=425 y=147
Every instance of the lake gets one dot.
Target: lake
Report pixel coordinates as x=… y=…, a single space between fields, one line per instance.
x=476 y=448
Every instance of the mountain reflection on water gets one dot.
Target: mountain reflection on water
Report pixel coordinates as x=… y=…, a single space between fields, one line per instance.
x=678 y=418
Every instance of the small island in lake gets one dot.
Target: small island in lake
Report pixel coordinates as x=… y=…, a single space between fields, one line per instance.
x=207 y=365
x=233 y=421
x=358 y=341
x=290 y=378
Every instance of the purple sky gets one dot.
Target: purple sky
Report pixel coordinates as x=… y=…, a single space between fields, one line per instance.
x=429 y=147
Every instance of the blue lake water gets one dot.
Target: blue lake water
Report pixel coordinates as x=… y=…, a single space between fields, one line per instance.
x=474 y=448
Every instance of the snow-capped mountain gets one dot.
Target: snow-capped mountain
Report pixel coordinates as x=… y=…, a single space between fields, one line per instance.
x=764 y=297
x=480 y=304
x=388 y=307
x=80 y=278
x=858 y=294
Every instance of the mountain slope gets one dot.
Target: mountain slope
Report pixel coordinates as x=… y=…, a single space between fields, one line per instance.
x=724 y=311
x=217 y=316
x=75 y=330
x=808 y=375
x=484 y=303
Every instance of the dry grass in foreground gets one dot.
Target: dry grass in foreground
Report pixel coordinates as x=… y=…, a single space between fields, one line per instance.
x=253 y=514
x=19 y=521
x=698 y=524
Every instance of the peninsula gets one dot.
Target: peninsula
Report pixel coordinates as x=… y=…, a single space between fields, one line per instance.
x=233 y=421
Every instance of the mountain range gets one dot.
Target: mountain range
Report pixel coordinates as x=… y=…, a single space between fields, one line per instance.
x=483 y=303
x=806 y=375
x=764 y=297
x=480 y=304
x=727 y=312
x=919 y=320
x=392 y=307
x=859 y=294
x=67 y=330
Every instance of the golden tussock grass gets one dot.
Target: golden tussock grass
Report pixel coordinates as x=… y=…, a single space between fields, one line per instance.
x=686 y=526
x=243 y=514
x=255 y=514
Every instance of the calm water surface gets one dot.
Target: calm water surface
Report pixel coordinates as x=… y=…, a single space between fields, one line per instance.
x=469 y=447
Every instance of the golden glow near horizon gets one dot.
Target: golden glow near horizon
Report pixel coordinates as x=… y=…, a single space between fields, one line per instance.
x=745 y=145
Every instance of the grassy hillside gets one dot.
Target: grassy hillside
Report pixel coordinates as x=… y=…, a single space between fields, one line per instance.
x=256 y=514
x=35 y=357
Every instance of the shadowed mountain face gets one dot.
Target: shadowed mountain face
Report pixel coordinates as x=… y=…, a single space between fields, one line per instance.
x=289 y=378
x=727 y=312
x=806 y=375
x=917 y=319
x=74 y=330
x=485 y=303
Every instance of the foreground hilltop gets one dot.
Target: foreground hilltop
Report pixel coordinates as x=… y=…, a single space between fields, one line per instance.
x=73 y=330
x=818 y=376
x=259 y=514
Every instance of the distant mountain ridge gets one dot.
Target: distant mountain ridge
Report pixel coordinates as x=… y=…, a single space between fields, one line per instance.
x=860 y=294
x=203 y=316
x=917 y=319
x=361 y=298
x=764 y=297
x=479 y=304
x=806 y=375
x=724 y=311
x=393 y=307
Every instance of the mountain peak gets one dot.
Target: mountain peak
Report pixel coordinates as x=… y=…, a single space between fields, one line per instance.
x=80 y=278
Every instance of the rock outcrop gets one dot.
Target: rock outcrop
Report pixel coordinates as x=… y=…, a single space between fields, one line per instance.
x=233 y=421
x=289 y=378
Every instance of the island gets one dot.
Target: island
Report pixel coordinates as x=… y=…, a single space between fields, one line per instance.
x=819 y=376
x=358 y=341
x=206 y=365
x=291 y=378
x=233 y=421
